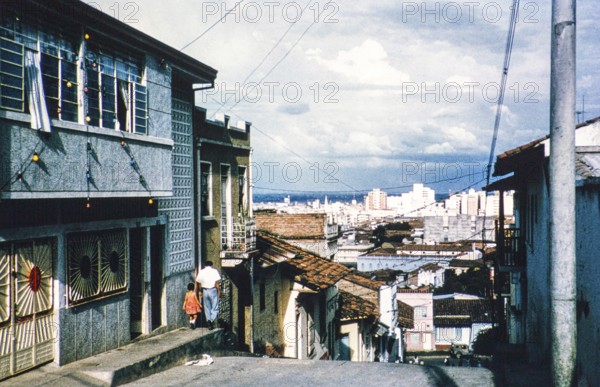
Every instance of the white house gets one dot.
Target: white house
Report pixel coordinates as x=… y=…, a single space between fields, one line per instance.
x=523 y=268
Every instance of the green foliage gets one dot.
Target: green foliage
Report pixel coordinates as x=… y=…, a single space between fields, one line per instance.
x=379 y=235
x=403 y=226
x=476 y=282
x=485 y=342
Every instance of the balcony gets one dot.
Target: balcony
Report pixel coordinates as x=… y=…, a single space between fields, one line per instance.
x=238 y=241
x=331 y=231
x=510 y=251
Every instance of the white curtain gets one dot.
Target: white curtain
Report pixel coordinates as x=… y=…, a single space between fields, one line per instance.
x=35 y=90
x=124 y=95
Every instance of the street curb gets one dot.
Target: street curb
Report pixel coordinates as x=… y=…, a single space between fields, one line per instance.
x=159 y=360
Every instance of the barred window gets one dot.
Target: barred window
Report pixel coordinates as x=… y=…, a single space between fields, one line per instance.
x=11 y=75
x=59 y=77
x=81 y=83
x=115 y=96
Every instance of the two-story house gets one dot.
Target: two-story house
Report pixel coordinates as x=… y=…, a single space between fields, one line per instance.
x=96 y=236
x=223 y=203
x=522 y=257
x=421 y=336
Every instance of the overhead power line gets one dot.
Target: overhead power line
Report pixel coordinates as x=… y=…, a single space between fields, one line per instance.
x=212 y=26
x=507 y=54
x=264 y=58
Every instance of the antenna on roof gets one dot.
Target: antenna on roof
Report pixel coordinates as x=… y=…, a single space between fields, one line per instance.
x=581 y=113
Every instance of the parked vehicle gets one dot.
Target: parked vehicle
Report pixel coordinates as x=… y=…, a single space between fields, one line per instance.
x=460 y=350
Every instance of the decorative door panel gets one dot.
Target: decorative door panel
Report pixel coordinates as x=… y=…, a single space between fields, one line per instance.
x=4 y=285
x=33 y=278
x=27 y=330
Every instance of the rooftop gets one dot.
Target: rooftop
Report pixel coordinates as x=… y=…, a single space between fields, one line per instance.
x=453 y=312
x=308 y=269
x=356 y=308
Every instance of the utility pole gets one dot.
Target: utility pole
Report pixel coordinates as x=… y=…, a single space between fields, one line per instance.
x=563 y=322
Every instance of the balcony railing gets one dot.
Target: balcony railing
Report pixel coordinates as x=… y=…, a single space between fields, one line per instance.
x=240 y=239
x=510 y=252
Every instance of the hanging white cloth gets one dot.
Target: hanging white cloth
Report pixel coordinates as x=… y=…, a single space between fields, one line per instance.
x=35 y=90
x=125 y=99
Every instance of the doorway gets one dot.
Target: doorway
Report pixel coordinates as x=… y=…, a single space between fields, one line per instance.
x=157 y=235
x=136 y=281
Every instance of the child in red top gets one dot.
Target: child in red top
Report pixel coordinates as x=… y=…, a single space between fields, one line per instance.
x=191 y=305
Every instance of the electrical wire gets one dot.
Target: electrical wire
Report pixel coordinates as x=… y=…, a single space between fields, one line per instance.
x=264 y=58
x=212 y=26
x=285 y=55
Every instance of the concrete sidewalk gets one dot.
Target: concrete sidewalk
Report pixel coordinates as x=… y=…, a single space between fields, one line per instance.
x=131 y=362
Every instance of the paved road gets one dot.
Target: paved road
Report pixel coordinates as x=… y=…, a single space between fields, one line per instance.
x=247 y=371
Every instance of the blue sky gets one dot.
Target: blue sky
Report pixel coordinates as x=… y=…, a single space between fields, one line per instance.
x=347 y=96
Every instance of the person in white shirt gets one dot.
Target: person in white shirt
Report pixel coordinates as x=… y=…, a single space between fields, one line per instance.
x=209 y=280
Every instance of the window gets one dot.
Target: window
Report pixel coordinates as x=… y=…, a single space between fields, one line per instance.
x=11 y=75
x=531 y=218
x=242 y=191
x=206 y=189
x=116 y=99
x=276 y=302
x=59 y=76
x=420 y=311
x=450 y=334
x=97 y=265
x=226 y=217
x=262 y=296
x=80 y=83
x=415 y=338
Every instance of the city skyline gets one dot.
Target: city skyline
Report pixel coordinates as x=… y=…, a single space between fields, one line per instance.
x=348 y=96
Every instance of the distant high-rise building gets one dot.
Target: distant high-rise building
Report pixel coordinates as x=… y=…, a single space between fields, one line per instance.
x=376 y=200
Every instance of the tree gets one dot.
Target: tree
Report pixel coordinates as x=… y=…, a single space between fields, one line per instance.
x=485 y=342
x=379 y=235
x=473 y=281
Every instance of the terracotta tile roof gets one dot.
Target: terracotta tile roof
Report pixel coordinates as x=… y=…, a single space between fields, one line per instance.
x=524 y=147
x=308 y=269
x=406 y=315
x=385 y=275
x=421 y=289
x=530 y=145
x=440 y=247
x=382 y=252
x=466 y=263
x=363 y=281
x=356 y=308
x=449 y=312
x=431 y=266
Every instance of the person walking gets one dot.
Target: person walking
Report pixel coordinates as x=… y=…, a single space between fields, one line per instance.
x=209 y=280
x=191 y=305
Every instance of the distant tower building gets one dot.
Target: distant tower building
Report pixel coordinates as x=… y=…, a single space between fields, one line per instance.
x=376 y=200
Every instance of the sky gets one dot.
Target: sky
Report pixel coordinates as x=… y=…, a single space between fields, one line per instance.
x=346 y=96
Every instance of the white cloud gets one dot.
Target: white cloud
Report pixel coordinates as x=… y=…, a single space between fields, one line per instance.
x=366 y=64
